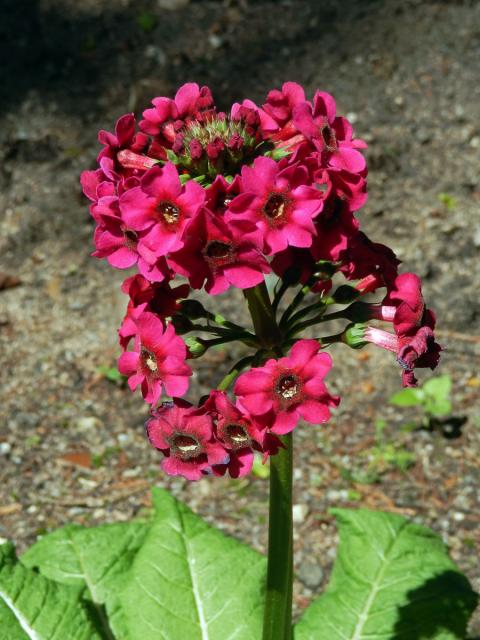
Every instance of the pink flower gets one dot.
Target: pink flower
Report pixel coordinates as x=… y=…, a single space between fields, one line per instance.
x=335 y=227
x=221 y=193
x=218 y=256
x=157 y=361
x=418 y=351
x=298 y=265
x=414 y=350
x=406 y=302
x=158 y=297
x=257 y=122
x=238 y=434
x=280 y=104
x=330 y=135
x=285 y=390
x=278 y=203
x=362 y=258
x=123 y=138
x=113 y=239
x=167 y=117
x=184 y=434
x=91 y=181
x=162 y=208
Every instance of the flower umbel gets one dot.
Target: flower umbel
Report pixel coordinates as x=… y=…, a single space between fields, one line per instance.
x=199 y=199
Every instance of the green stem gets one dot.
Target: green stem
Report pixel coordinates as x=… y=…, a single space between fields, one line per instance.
x=233 y=373
x=277 y=621
x=263 y=315
x=297 y=300
x=279 y=294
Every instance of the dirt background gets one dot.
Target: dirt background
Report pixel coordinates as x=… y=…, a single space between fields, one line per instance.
x=72 y=445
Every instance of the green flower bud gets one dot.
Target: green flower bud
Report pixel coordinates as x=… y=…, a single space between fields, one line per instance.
x=196 y=346
x=354 y=335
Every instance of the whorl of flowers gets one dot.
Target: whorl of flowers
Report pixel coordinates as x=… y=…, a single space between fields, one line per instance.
x=219 y=200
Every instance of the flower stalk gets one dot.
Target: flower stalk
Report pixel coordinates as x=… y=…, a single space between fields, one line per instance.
x=278 y=600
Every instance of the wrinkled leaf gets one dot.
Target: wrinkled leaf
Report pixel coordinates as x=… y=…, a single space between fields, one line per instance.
x=97 y=558
x=392 y=580
x=34 y=608
x=191 y=581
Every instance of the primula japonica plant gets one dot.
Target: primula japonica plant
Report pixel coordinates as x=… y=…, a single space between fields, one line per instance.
x=195 y=198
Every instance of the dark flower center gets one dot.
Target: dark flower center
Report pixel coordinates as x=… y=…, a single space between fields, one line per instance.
x=274 y=207
x=237 y=435
x=217 y=249
x=149 y=360
x=288 y=386
x=131 y=238
x=186 y=446
x=169 y=212
x=329 y=138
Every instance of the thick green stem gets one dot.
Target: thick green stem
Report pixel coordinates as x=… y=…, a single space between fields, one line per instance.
x=277 y=622
x=263 y=315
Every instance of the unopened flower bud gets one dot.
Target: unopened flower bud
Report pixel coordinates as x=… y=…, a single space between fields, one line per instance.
x=324 y=270
x=354 y=335
x=181 y=323
x=196 y=149
x=193 y=309
x=360 y=312
x=196 y=346
x=345 y=294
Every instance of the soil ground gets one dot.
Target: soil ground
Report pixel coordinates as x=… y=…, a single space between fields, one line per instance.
x=72 y=445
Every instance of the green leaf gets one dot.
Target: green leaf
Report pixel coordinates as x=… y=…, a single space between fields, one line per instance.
x=97 y=558
x=111 y=373
x=10 y=628
x=409 y=397
x=438 y=387
x=35 y=608
x=438 y=408
x=392 y=580
x=147 y=22
x=190 y=581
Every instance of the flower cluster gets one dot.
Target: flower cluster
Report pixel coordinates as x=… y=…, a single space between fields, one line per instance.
x=219 y=200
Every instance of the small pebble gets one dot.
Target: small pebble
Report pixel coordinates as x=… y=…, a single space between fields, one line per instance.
x=311 y=574
x=299 y=512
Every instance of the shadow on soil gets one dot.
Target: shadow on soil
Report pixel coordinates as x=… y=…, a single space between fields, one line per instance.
x=444 y=603
x=71 y=53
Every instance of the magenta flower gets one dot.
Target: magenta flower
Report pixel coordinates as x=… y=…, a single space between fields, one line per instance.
x=93 y=181
x=278 y=203
x=419 y=351
x=406 y=302
x=237 y=432
x=280 y=104
x=124 y=138
x=167 y=116
x=157 y=361
x=162 y=208
x=221 y=193
x=362 y=258
x=330 y=135
x=285 y=390
x=184 y=434
x=218 y=256
x=157 y=297
x=113 y=239
x=414 y=350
